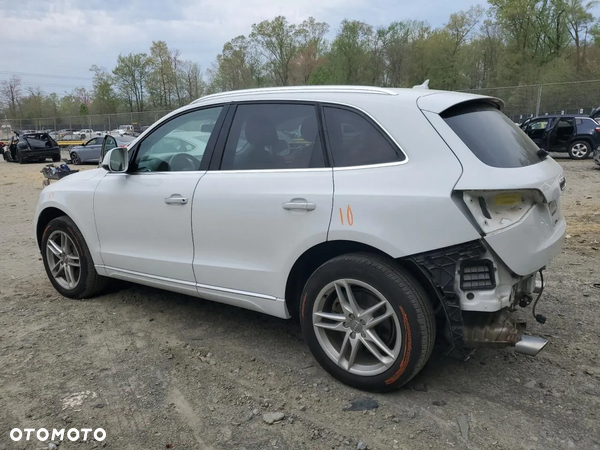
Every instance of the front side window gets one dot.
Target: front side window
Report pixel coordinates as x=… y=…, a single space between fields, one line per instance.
x=355 y=141
x=177 y=145
x=273 y=136
x=538 y=125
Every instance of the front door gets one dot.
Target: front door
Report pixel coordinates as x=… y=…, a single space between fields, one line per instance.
x=536 y=130
x=270 y=201
x=108 y=143
x=91 y=150
x=143 y=217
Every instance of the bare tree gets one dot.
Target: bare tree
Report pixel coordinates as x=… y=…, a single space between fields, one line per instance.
x=11 y=95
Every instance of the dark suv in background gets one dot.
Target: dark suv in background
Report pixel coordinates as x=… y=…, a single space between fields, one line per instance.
x=579 y=136
x=25 y=147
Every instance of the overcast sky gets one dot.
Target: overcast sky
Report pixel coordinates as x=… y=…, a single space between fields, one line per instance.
x=58 y=40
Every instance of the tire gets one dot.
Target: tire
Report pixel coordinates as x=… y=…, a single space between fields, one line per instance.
x=20 y=159
x=56 y=158
x=579 y=150
x=405 y=321
x=75 y=158
x=84 y=281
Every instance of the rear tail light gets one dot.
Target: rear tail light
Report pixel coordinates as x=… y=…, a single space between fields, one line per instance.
x=598 y=129
x=495 y=210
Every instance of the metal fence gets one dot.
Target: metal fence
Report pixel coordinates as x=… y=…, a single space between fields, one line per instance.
x=521 y=102
x=99 y=122
x=577 y=97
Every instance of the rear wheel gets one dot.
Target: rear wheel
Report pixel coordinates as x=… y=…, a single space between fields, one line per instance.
x=367 y=322
x=579 y=150
x=68 y=261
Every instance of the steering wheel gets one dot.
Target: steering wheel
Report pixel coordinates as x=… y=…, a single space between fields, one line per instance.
x=183 y=162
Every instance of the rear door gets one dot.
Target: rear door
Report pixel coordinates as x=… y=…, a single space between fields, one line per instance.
x=268 y=200
x=561 y=133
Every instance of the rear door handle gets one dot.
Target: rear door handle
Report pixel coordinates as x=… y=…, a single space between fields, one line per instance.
x=299 y=204
x=176 y=200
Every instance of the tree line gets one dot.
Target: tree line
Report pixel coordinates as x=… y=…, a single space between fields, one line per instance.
x=509 y=43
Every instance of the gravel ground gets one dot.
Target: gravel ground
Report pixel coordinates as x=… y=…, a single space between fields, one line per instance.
x=160 y=370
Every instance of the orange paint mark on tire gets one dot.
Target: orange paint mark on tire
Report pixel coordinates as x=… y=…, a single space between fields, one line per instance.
x=407 y=350
x=303 y=305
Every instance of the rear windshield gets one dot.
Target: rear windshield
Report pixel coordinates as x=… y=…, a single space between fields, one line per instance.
x=39 y=139
x=492 y=136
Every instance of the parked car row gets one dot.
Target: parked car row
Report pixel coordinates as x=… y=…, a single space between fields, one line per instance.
x=87 y=133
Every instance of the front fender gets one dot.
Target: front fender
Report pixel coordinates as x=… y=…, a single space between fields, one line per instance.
x=73 y=196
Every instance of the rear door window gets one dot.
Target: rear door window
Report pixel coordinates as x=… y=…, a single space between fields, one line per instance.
x=492 y=136
x=273 y=136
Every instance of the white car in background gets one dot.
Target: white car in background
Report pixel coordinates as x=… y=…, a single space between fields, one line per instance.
x=384 y=217
x=123 y=130
x=86 y=133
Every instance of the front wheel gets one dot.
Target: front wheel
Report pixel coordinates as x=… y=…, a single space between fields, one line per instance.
x=75 y=158
x=367 y=322
x=55 y=158
x=68 y=261
x=579 y=150
x=20 y=158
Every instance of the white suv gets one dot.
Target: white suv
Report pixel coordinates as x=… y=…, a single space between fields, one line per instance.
x=378 y=217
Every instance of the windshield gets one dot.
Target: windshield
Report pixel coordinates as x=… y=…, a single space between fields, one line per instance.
x=492 y=136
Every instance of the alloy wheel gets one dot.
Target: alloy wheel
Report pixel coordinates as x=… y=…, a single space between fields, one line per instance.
x=579 y=150
x=357 y=327
x=63 y=259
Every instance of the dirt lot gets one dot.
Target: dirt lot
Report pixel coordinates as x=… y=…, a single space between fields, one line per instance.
x=159 y=370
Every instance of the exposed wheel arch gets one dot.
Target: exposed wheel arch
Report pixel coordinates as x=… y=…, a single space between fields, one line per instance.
x=316 y=256
x=45 y=217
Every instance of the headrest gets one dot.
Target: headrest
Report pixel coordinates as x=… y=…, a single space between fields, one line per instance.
x=309 y=129
x=260 y=131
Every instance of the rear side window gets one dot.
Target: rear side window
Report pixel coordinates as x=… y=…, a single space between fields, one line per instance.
x=492 y=136
x=355 y=141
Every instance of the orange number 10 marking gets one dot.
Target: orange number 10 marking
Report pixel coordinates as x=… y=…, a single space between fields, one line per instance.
x=349 y=216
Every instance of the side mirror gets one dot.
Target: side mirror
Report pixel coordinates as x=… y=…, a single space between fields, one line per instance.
x=116 y=160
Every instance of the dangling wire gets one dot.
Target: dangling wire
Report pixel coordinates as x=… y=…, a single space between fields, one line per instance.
x=539 y=317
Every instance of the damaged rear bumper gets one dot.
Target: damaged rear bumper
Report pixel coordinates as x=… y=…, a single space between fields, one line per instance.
x=478 y=295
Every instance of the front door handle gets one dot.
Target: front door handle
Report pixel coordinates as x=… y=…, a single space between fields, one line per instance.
x=299 y=204
x=176 y=200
